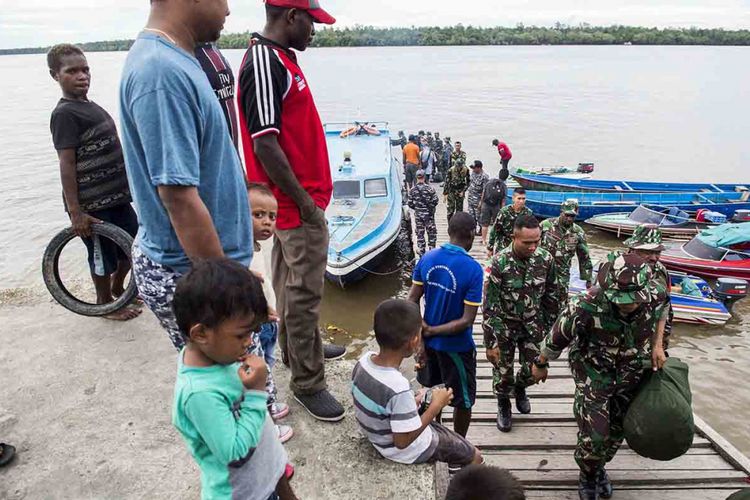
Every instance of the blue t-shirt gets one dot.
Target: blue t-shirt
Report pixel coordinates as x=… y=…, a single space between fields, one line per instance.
x=174 y=133
x=450 y=278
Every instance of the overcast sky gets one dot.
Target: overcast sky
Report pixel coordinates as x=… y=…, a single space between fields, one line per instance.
x=25 y=23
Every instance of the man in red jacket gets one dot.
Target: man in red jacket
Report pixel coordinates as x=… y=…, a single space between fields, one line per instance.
x=284 y=146
x=504 y=151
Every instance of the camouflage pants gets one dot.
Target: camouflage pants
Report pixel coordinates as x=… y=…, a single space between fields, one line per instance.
x=601 y=400
x=156 y=284
x=425 y=224
x=473 y=204
x=526 y=337
x=455 y=204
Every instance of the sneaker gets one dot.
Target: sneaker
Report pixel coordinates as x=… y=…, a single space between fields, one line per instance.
x=332 y=351
x=278 y=410
x=321 y=405
x=284 y=433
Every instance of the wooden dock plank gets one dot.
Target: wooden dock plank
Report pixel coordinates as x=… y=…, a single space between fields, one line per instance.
x=640 y=494
x=562 y=460
x=652 y=478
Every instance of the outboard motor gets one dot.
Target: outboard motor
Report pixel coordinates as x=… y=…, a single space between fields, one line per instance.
x=730 y=290
x=586 y=168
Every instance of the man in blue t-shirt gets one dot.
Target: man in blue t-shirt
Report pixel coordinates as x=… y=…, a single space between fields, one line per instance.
x=451 y=282
x=185 y=175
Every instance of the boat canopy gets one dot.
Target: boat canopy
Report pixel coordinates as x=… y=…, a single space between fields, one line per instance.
x=726 y=235
x=661 y=216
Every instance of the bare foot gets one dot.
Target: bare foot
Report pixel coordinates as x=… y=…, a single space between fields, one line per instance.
x=125 y=314
x=137 y=301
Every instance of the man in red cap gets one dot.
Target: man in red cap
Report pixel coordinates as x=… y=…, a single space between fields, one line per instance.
x=284 y=146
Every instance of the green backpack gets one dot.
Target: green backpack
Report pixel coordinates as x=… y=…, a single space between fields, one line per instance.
x=659 y=422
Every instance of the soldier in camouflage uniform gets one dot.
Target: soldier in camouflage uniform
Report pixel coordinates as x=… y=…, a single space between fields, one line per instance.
x=423 y=200
x=647 y=243
x=563 y=238
x=477 y=180
x=402 y=139
x=501 y=231
x=520 y=304
x=447 y=154
x=454 y=189
x=458 y=154
x=608 y=328
x=439 y=173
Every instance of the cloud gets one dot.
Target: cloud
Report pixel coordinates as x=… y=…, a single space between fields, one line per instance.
x=25 y=23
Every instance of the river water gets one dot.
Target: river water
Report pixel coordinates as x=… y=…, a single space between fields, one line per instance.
x=649 y=113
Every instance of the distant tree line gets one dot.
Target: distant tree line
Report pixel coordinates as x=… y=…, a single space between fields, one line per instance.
x=560 y=34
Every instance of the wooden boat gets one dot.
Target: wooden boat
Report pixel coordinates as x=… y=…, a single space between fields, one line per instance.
x=709 y=307
x=548 y=183
x=366 y=212
x=546 y=204
x=674 y=224
x=716 y=252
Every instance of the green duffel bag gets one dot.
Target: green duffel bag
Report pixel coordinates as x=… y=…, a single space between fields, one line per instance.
x=659 y=422
x=740 y=495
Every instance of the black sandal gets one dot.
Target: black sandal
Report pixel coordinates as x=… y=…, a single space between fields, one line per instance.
x=7 y=452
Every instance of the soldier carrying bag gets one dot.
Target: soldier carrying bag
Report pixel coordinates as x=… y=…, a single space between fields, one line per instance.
x=659 y=422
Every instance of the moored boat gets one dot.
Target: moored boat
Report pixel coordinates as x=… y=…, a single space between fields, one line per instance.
x=716 y=252
x=549 y=183
x=546 y=204
x=366 y=212
x=674 y=224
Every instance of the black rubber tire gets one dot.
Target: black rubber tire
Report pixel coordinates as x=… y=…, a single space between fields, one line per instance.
x=51 y=272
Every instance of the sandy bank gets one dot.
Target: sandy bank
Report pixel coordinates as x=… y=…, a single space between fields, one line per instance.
x=87 y=403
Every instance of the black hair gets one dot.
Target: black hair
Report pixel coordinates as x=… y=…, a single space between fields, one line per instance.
x=484 y=482
x=396 y=322
x=478 y=163
x=259 y=188
x=56 y=53
x=461 y=226
x=519 y=190
x=525 y=222
x=216 y=290
x=503 y=175
x=274 y=12
x=495 y=142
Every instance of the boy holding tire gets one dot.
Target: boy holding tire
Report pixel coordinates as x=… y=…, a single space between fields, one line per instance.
x=92 y=170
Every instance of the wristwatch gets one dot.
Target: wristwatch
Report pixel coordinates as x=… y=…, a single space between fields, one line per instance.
x=539 y=364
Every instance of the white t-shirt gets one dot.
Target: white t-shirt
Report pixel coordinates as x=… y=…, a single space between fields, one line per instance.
x=261 y=264
x=383 y=404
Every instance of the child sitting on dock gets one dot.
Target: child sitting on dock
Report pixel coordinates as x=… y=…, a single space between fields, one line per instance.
x=263 y=208
x=219 y=401
x=451 y=282
x=386 y=408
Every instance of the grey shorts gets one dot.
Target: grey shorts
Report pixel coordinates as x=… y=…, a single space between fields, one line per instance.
x=451 y=448
x=410 y=173
x=488 y=214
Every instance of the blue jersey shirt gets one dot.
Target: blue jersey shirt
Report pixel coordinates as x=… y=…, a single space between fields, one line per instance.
x=174 y=134
x=451 y=278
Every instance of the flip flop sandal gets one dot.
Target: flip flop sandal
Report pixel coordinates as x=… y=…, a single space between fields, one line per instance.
x=7 y=454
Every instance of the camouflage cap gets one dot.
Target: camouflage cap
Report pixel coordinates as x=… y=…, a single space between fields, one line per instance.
x=625 y=279
x=645 y=237
x=569 y=207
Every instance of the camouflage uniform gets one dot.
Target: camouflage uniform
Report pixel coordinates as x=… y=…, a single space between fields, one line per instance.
x=476 y=187
x=501 y=232
x=423 y=200
x=456 y=183
x=563 y=243
x=447 y=154
x=439 y=163
x=519 y=307
x=607 y=355
x=648 y=237
x=458 y=156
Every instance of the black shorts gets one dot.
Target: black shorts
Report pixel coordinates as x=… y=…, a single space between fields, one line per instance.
x=410 y=171
x=488 y=214
x=457 y=370
x=122 y=216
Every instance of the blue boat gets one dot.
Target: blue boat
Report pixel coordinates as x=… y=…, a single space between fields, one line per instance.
x=546 y=204
x=366 y=212
x=556 y=183
x=694 y=302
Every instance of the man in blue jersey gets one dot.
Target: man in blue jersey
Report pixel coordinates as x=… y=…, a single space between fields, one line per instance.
x=450 y=280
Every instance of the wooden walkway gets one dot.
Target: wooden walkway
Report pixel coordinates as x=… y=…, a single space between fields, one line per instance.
x=539 y=449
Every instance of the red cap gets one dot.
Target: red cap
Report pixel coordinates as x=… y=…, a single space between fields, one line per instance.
x=311 y=6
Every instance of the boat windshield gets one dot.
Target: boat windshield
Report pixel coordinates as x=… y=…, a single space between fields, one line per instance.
x=646 y=215
x=697 y=248
x=346 y=190
x=375 y=187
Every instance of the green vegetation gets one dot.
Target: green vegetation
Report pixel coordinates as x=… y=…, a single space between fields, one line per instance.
x=560 y=34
